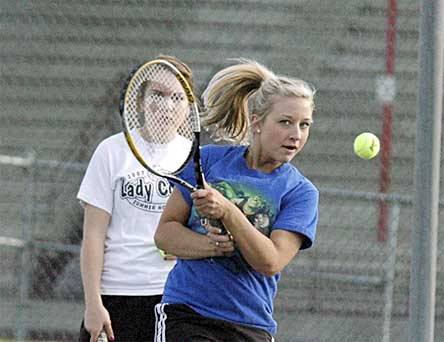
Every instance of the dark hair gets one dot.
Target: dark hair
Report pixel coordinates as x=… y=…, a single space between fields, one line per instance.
x=181 y=66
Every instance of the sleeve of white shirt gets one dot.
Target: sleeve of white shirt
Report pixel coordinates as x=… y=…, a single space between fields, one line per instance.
x=96 y=187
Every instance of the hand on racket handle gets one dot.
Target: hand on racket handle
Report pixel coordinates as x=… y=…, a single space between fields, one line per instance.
x=210 y=204
x=103 y=337
x=97 y=321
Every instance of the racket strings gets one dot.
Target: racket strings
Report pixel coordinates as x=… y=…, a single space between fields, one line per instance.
x=160 y=119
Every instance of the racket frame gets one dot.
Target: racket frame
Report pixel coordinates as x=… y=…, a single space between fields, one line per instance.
x=195 y=148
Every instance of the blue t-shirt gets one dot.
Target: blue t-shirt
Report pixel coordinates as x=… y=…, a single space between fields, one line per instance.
x=228 y=288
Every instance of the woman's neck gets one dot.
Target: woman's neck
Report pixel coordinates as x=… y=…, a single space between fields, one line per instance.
x=255 y=161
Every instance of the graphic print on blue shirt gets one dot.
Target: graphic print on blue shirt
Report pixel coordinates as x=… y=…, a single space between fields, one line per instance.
x=253 y=205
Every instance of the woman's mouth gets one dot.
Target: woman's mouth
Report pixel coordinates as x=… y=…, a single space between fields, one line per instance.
x=290 y=147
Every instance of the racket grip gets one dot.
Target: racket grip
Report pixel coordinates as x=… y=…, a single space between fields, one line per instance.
x=198 y=172
x=102 y=337
x=206 y=221
x=200 y=179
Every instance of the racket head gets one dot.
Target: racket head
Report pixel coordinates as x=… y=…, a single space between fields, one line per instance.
x=160 y=118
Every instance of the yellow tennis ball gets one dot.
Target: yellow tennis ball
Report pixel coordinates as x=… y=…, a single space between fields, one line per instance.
x=366 y=145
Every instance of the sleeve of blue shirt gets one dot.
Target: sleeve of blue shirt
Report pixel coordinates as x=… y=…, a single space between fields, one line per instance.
x=299 y=212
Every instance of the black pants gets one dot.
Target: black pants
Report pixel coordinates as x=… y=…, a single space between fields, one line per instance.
x=180 y=323
x=132 y=318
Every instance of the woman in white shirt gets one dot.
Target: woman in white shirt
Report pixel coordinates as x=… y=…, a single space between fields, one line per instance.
x=123 y=272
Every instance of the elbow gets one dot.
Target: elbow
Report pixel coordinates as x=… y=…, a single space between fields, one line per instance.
x=273 y=267
x=159 y=239
x=269 y=269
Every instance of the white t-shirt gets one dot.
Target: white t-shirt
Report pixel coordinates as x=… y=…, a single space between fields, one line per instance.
x=157 y=156
x=116 y=182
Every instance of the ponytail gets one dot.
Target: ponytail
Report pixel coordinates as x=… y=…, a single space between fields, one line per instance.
x=247 y=86
x=226 y=99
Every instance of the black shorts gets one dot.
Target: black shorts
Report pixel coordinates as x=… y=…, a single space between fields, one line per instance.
x=132 y=318
x=180 y=323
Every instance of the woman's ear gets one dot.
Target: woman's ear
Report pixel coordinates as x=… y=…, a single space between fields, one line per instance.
x=255 y=123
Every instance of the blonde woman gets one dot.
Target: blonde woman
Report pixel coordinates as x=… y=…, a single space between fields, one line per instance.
x=254 y=193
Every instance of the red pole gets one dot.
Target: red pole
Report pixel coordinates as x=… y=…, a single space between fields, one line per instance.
x=386 y=138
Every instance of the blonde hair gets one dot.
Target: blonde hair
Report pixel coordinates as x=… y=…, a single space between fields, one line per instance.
x=238 y=90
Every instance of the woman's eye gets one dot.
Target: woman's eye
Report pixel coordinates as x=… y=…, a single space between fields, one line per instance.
x=156 y=94
x=285 y=122
x=305 y=124
x=178 y=97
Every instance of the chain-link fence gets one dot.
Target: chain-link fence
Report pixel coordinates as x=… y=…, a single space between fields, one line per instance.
x=62 y=63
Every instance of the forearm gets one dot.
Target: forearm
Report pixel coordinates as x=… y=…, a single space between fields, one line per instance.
x=257 y=249
x=174 y=238
x=91 y=264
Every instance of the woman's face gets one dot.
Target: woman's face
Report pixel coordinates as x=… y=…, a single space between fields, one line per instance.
x=165 y=107
x=284 y=131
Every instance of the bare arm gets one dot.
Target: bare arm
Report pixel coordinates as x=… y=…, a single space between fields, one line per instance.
x=175 y=238
x=267 y=255
x=95 y=224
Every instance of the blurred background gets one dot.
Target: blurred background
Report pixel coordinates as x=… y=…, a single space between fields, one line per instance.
x=61 y=67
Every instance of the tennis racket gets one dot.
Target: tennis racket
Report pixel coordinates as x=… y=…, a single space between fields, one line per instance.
x=160 y=120
x=103 y=337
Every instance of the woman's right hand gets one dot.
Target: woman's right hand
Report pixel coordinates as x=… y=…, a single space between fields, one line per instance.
x=97 y=319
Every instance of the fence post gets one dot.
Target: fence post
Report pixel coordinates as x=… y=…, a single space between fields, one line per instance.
x=390 y=263
x=26 y=256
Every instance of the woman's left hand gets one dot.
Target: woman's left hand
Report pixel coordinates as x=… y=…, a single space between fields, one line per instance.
x=222 y=240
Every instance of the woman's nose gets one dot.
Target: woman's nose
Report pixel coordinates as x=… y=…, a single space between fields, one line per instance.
x=169 y=103
x=296 y=133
